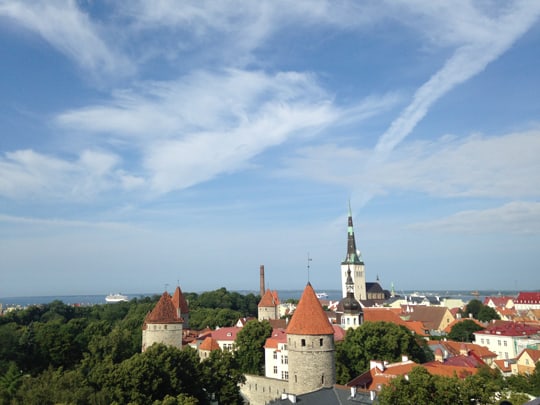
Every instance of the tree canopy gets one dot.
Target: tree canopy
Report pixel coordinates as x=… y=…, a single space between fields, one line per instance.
x=376 y=341
x=464 y=331
x=250 y=346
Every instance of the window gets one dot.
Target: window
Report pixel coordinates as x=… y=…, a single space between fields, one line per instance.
x=505 y=342
x=275 y=369
x=275 y=355
x=165 y=327
x=320 y=342
x=287 y=360
x=303 y=342
x=284 y=375
x=499 y=342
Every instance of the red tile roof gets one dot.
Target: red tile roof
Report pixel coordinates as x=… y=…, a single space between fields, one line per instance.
x=179 y=301
x=269 y=299
x=278 y=336
x=228 y=333
x=391 y=315
x=164 y=311
x=455 y=348
x=498 y=301
x=528 y=298
x=503 y=365
x=209 y=344
x=510 y=329
x=534 y=354
x=339 y=333
x=309 y=317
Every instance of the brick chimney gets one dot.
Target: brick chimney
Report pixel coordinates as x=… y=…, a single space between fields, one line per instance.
x=261 y=272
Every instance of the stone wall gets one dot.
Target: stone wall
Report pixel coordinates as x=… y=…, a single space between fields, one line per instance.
x=168 y=334
x=258 y=390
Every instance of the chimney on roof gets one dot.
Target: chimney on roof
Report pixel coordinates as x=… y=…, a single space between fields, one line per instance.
x=261 y=277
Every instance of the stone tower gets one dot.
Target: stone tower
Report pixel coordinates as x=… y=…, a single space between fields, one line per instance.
x=310 y=342
x=354 y=262
x=268 y=307
x=181 y=305
x=353 y=315
x=162 y=325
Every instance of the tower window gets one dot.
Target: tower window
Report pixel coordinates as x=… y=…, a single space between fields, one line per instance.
x=303 y=342
x=320 y=342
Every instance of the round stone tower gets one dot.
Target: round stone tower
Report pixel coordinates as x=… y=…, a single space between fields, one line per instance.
x=310 y=341
x=162 y=325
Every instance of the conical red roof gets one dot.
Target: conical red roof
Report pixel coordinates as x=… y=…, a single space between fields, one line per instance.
x=164 y=311
x=309 y=317
x=179 y=301
x=269 y=299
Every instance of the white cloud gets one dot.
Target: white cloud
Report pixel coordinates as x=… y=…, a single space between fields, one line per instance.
x=71 y=31
x=479 y=48
x=477 y=166
x=26 y=173
x=518 y=217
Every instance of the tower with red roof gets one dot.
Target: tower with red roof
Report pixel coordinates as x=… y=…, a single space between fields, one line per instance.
x=162 y=324
x=310 y=342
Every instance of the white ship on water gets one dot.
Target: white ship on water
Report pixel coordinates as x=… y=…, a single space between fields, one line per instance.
x=116 y=298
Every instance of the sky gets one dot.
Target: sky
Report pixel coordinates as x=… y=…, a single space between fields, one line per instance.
x=149 y=144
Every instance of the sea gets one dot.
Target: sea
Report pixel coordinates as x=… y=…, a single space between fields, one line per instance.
x=333 y=295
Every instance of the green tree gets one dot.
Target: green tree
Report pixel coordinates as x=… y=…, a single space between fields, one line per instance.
x=222 y=376
x=159 y=371
x=417 y=388
x=472 y=308
x=250 y=346
x=464 y=331
x=374 y=341
x=206 y=317
x=9 y=383
x=487 y=314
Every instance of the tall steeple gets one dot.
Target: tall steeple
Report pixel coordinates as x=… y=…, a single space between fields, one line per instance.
x=352 y=254
x=354 y=262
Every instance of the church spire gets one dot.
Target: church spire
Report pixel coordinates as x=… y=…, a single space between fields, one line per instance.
x=352 y=254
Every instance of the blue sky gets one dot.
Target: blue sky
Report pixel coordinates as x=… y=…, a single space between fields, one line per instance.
x=150 y=143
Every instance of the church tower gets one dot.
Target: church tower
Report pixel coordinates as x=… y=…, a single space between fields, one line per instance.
x=310 y=342
x=353 y=315
x=355 y=263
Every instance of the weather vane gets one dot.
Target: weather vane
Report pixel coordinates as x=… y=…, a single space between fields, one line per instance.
x=308 y=260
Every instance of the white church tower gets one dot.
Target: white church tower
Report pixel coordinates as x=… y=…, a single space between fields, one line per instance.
x=354 y=262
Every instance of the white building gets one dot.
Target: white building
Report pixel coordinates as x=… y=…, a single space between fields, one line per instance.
x=507 y=339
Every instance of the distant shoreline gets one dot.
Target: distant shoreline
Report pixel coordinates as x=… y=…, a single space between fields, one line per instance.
x=333 y=295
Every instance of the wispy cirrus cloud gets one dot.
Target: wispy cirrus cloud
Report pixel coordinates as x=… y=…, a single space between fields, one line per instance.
x=193 y=129
x=26 y=173
x=71 y=31
x=487 y=39
x=517 y=217
x=504 y=166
